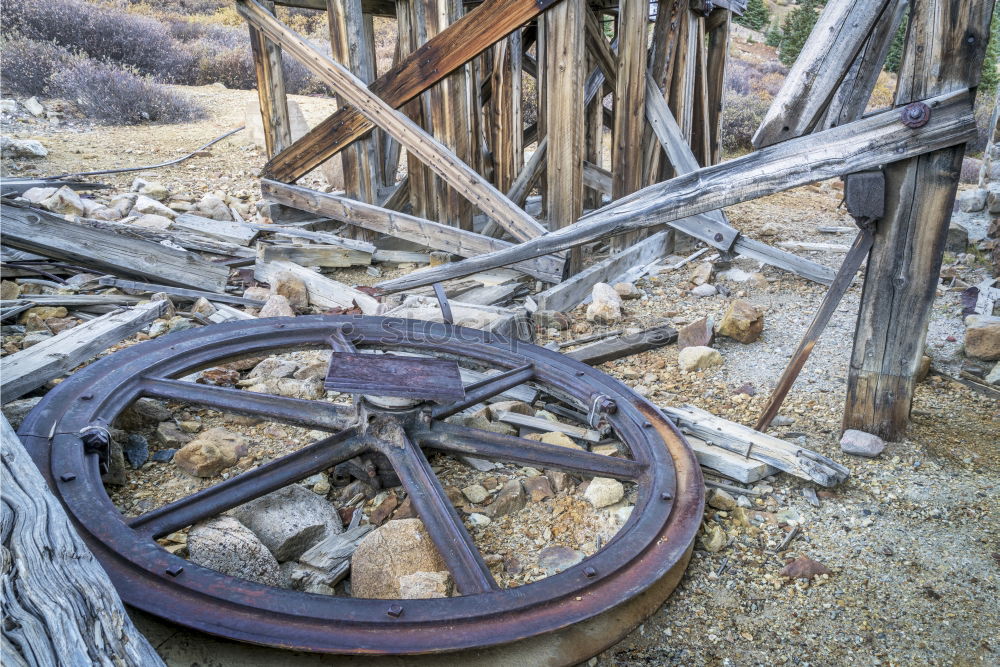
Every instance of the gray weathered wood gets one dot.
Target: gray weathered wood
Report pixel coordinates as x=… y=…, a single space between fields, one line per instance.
x=224 y=230
x=336 y=549
x=323 y=291
x=54 y=357
x=59 y=606
x=624 y=345
x=542 y=425
x=189 y=294
x=50 y=235
x=728 y=463
x=325 y=256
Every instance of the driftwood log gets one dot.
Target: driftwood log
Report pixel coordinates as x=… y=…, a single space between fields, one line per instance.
x=59 y=607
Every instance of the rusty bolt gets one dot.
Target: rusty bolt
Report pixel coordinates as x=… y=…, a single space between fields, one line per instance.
x=666 y=496
x=590 y=572
x=915 y=115
x=395 y=610
x=67 y=477
x=718 y=237
x=175 y=570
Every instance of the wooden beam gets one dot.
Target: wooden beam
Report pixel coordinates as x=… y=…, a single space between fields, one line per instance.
x=865 y=144
x=271 y=90
x=716 y=59
x=60 y=607
x=408 y=227
x=56 y=356
x=564 y=60
x=179 y=292
x=624 y=345
x=839 y=33
x=436 y=156
x=417 y=72
x=944 y=52
x=323 y=256
x=223 y=230
x=324 y=292
x=47 y=234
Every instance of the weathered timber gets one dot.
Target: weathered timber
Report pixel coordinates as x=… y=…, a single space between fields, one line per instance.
x=624 y=345
x=864 y=144
x=716 y=58
x=840 y=32
x=271 y=90
x=54 y=357
x=434 y=154
x=76 y=300
x=42 y=232
x=411 y=228
x=597 y=178
x=809 y=245
x=747 y=442
x=324 y=256
x=542 y=425
x=323 y=291
x=319 y=237
x=60 y=607
x=728 y=463
x=179 y=292
x=229 y=231
x=944 y=53
x=335 y=549
x=432 y=61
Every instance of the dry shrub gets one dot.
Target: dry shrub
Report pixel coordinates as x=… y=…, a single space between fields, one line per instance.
x=28 y=65
x=741 y=116
x=883 y=93
x=970 y=170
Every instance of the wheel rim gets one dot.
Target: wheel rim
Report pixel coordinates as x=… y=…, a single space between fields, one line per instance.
x=651 y=544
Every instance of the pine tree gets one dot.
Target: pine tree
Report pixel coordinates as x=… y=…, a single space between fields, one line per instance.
x=795 y=30
x=756 y=16
x=990 y=77
x=773 y=35
x=895 y=54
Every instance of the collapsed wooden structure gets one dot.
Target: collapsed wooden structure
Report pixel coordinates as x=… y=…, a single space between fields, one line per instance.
x=454 y=102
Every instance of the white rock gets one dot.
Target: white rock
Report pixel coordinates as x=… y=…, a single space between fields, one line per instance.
x=606 y=305
x=698 y=357
x=993 y=377
x=151 y=189
x=34 y=107
x=701 y=291
x=276 y=306
x=971 y=201
x=479 y=520
x=475 y=493
x=425 y=585
x=64 y=201
x=144 y=204
x=153 y=221
x=604 y=491
x=214 y=207
x=290 y=520
x=27 y=148
x=225 y=545
x=627 y=291
x=8 y=105
x=860 y=443
x=38 y=195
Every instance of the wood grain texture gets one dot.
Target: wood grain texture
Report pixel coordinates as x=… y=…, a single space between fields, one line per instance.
x=323 y=291
x=271 y=91
x=59 y=606
x=864 y=144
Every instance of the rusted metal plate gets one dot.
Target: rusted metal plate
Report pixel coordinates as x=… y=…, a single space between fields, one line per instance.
x=390 y=375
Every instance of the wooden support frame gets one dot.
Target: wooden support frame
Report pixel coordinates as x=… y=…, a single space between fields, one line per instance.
x=271 y=90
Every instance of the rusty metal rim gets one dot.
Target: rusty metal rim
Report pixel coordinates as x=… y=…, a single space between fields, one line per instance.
x=647 y=547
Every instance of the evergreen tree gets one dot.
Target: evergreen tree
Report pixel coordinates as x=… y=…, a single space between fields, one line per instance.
x=895 y=54
x=773 y=35
x=990 y=77
x=756 y=16
x=795 y=30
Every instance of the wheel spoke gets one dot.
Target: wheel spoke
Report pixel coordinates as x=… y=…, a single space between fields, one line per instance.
x=478 y=392
x=443 y=523
x=315 y=414
x=498 y=447
x=252 y=484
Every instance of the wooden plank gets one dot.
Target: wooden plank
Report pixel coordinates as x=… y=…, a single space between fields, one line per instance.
x=839 y=33
x=60 y=607
x=271 y=90
x=224 y=230
x=597 y=178
x=418 y=71
x=716 y=58
x=728 y=463
x=542 y=425
x=436 y=156
x=807 y=245
x=411 y=228
x=324 y=292
x=564 y=35
x=75 y=300
x=743 y=440
x=318 y=237
x=54 y=357
x=624 y=345
x=41 y=232
x=180 y=292
x=910 y=239
x=574 y=290
x=324 y=256
x=522 y=392
x=506 y=137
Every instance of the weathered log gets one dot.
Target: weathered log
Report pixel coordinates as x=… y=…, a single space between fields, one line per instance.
x=624 y=345
x=59 y=606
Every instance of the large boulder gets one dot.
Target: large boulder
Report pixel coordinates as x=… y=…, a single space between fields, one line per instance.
x=982 y=337
x=22 y=148
x=606 y=305
x=289 y=521
x=225 y=545
x=390 y=552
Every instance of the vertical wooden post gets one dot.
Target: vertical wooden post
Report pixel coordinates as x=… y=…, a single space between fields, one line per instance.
x=663 y=50
x=944 y=52
x=593 y=150
x=716 y=58
x=271 y=90
x=630 y=106
x=506 y=133
x=563 y=82
x=411 y=35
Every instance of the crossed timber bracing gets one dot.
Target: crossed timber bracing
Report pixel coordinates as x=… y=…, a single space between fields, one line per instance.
x=453 y=101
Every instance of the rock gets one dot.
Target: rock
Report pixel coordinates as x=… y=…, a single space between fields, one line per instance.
x=34 y=338
x=9 y=290
x=392 y=551
x=554 y=438
x=703 y=291
x=273 y=367
x=804 y=567
x=923 y=368
x=143 y=413
x=203 y=307
x=276 y=306
x=958 y=238
x=308 y=579
x=475 y=493
x=699 y=333
x=189 y=426
x=604 y=491
x=38 y=195
x=559 y=480
x=153 y=221
x=769 y=229
x=211 y=452
x=291 y=287
x=628 y=291
x=425 y=585
x=860 y=443
x=558 y=558
x=289 y=521
x=148 y=205
x=982 y=339
x=64 y=201
x=538 y=488
x=698 y=358
x=510 y=499
x=310 y=389
x=478 y=520
x=742 y=322
x=517 y=407
x=21 y=148
x=34 y=107
x=16 y=411
x=43 y=312
x=227 y=546
x=33 y=323
x=314 y=371
x=701 y=274
x=150 y=189
x=219 y=377
x=214 y=207
x=993 y=198
x=135 y=450
x=972 y=201
x=256 y=293
x=384 y=509
x=8 y=105
x=59 y=324
x=551 y=319
x=782 y=420
x=714 y=538
x=606 y=305
x=744 y=502
x=721 y=500
x=163 y=455
x=788 y=516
